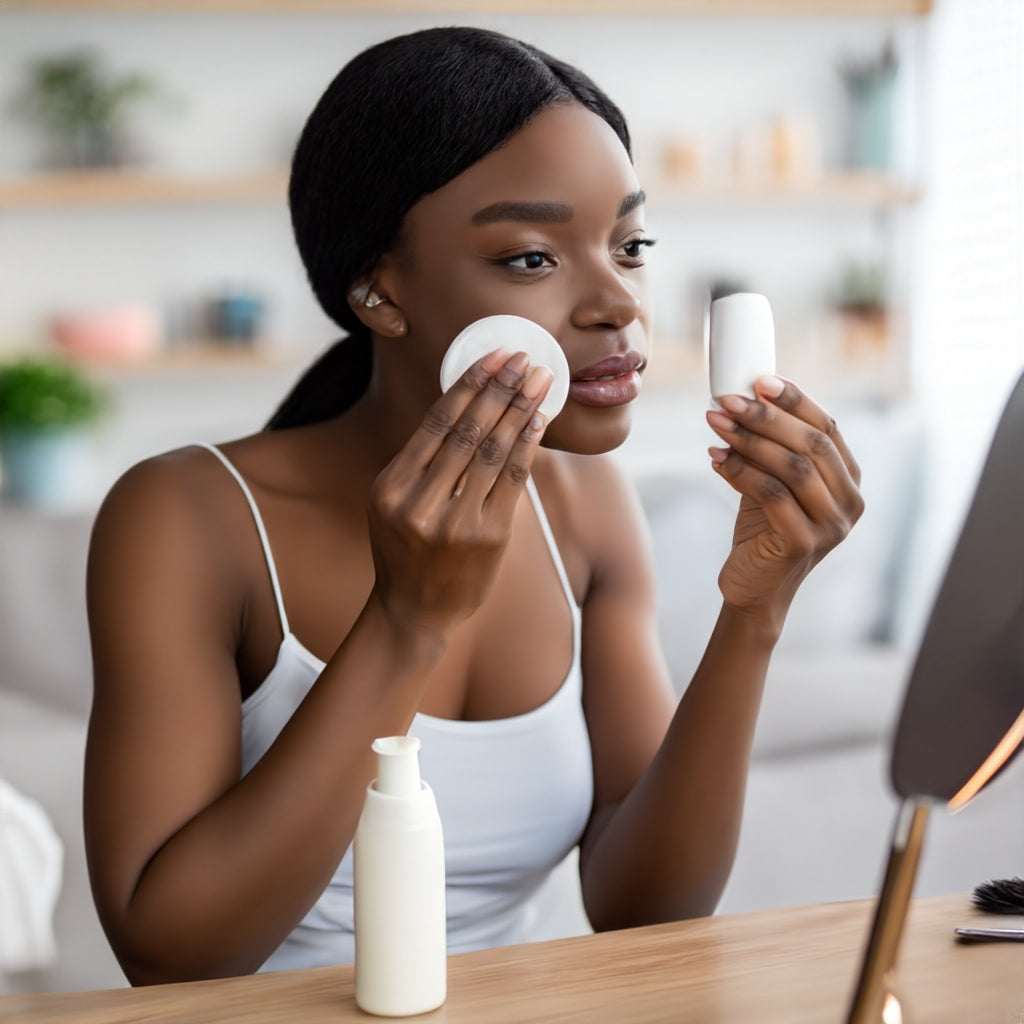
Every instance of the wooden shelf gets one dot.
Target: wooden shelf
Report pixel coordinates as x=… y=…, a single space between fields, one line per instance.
x=815 y=8
x=192 y=357
x=836 y=189
x=129 y=187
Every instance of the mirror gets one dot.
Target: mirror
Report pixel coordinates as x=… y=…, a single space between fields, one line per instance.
x=963 y=708
x=962 y=718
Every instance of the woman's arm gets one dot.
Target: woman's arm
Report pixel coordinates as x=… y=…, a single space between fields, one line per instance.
x=669 y=789
x=198 y=873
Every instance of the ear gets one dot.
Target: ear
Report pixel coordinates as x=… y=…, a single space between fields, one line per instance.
x=372 y=299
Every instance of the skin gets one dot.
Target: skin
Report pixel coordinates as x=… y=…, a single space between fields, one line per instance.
x=413 y=565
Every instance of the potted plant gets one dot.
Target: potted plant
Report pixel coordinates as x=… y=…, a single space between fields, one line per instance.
x=83 y=108
x=864 y=310
x=46 y=409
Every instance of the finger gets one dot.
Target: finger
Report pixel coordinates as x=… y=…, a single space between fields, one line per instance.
x=494 y=452
x=801 y=455
x=418 y=452
x=506 y=485
x=475 y=439
x=786 y=485
x=769 y=474
x=787 y=396
x=791 y=533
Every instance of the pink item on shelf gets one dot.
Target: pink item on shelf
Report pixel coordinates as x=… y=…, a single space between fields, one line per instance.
x=130 y=331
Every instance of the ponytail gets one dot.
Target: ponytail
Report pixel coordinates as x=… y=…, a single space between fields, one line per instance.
x=330 y=385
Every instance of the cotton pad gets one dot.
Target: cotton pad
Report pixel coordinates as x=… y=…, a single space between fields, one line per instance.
x=741 y=345
x=514 y=334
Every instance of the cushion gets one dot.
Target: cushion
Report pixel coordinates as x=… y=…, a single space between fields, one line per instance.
x=44 y=635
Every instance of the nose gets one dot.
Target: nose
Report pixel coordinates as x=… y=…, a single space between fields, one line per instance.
x=608 y=299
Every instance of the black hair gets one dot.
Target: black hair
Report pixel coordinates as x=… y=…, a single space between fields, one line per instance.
x=399 y=121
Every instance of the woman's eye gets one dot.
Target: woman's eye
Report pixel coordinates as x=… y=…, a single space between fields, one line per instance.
x=527 y=261
x=634 y=248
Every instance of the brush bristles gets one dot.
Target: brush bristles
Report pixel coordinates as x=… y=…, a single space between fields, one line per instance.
x=1001 y=897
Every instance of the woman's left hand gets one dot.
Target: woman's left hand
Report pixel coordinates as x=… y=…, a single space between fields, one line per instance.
x=799 y=492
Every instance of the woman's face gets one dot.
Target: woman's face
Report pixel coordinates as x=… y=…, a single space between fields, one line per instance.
x=550 y=227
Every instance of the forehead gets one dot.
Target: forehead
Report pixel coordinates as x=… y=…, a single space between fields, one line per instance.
x=565 y=154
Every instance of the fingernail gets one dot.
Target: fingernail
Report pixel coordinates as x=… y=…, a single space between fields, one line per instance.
x=539 y=378
x=495 y=360
x=734 y=403
x=720 y=421
x=718 y=455
x=537 y=423
x=771 y=385
x=519 y=363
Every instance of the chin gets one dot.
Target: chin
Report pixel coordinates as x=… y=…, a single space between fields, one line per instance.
x=581 y=430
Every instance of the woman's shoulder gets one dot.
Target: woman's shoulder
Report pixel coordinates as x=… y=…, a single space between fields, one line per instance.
x=170 y=478
x=179 y=498
x=194 y=472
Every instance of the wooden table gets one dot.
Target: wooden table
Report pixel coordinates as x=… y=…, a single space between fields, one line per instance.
x=773 y=967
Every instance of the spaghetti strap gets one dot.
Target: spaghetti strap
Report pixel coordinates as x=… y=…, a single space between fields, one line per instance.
x=545 y=526
x=260 y=529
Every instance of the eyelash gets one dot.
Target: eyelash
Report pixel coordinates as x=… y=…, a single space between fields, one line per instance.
x=643 y=242
x=636 y=258
x=507 y=261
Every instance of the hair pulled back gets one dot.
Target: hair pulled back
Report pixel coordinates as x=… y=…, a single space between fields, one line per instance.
x=399 y=121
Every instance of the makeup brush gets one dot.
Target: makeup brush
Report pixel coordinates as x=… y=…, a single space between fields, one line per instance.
x=1005 y=896
x=1000 y=897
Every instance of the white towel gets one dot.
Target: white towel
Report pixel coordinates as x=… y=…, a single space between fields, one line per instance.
x=31 y=862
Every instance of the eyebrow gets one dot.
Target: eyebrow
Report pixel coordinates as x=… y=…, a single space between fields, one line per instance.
x=539 y=212
x=546 y=212
x=631 y=202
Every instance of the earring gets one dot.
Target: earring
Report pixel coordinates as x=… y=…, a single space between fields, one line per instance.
x=361 y=295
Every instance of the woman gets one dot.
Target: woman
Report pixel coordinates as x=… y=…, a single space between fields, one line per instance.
x=384 y=559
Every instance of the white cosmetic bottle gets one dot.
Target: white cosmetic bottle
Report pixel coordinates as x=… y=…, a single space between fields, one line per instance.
x=398 y=863
x=741 y=345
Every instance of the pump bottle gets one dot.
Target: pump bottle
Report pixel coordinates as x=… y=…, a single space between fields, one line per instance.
x=399 y=886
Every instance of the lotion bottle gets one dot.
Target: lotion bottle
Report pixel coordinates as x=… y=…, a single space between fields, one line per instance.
x=399 y=887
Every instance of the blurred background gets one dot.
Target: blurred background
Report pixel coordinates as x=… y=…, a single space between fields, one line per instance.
x=857 y=161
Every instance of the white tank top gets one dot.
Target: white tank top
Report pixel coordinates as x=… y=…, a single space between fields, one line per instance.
x=514 y=794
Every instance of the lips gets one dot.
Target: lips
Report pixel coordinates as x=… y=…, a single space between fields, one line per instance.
x=609 y=382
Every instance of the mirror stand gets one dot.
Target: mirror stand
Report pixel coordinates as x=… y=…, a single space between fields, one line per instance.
x=874 y=1000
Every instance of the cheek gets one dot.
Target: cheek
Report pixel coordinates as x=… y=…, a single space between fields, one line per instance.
x=442 y=304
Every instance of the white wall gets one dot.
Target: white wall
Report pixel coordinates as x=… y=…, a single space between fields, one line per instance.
x=969 y=347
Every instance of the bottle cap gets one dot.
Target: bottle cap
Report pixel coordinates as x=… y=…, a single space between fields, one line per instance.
x=398 y=765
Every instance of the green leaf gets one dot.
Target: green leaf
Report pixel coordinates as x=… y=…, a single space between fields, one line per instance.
x=41 y=394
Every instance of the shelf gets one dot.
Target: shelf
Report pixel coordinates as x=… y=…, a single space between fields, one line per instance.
x=199 y=356
x=188 y=358
x=127 y=188
x=837 y=189
x=134 y=188
x=815 y=8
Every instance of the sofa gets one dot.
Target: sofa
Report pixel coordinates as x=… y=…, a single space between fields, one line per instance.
x=819 y=808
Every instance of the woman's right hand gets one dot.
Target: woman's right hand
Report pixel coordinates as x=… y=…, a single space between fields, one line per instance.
x=441 y=511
